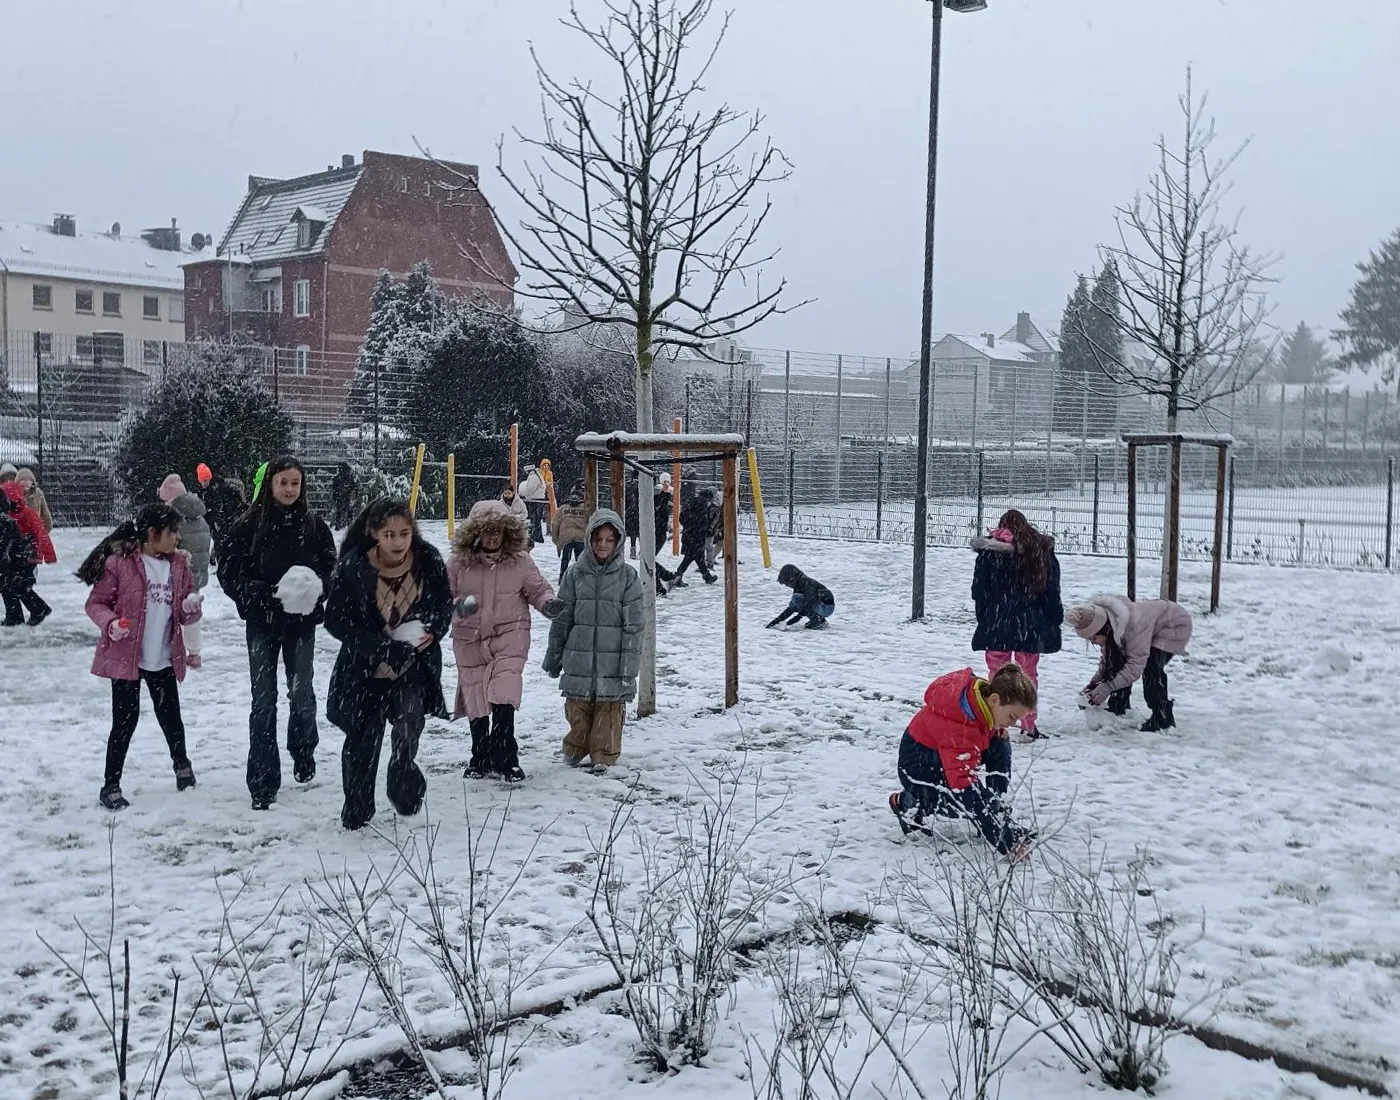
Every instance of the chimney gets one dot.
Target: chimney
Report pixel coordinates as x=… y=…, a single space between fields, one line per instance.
x=991 y=339
x=1023 y=328
x=65 y=225
x=347 y=160
x=165 y=240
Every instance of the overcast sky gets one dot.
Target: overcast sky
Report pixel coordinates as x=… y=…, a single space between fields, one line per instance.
x=142 y=110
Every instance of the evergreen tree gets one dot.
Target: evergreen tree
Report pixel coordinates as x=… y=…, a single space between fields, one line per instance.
x=1370 y=329
x=1303 y=357
x=213 y=408
x=1076 y=360
x=404 y=317
x=1105 y=332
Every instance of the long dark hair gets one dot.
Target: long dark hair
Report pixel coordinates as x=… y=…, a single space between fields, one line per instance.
x=157 y=517
x=1113 y=658
x=359 y=536
x=1033 y=549
x=264 y=508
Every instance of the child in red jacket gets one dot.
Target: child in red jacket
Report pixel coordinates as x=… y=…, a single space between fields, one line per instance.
x=144 y=602
x=960 y=729
x=17 y=581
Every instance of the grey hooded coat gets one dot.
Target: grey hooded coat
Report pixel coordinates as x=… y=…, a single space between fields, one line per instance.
x=194 y=535
x=595 y=643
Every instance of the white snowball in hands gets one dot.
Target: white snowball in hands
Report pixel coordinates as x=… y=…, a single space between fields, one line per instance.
x=411 y=632
x=299 y=589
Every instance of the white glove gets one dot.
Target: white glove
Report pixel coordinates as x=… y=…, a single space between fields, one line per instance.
x=116 y=631
x=192 y=603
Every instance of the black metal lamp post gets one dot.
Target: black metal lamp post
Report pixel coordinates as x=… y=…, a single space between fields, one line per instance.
x=926 y=340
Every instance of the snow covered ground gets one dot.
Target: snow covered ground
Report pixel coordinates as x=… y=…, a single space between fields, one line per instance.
x=1268 y=814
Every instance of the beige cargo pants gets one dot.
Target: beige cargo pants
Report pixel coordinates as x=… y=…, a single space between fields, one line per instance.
x=595 y=729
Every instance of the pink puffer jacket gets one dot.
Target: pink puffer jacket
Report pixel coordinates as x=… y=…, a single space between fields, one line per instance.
x=121 y=594
x=1140 y=627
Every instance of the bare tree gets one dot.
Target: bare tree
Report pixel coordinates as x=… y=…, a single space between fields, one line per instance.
x=644 y=209
x=1191 y=295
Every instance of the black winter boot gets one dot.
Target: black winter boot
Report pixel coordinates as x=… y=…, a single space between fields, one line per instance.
x=1162 y=719
x=111 y=798
x=184 y=777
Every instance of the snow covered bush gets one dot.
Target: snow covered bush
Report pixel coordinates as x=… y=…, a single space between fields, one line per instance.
x=212 y=407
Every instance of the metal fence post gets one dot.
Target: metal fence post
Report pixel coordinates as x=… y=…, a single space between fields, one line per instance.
x=39 y=402
x=837 y=482
x=879 y=493
x=687 y=403
x=1230 y=519
x=1282 y=407
x=1389 y=506
x=1302 y=535
x=748 y=411
x=792 y=486
x=1094 y=543
x=378 y=360
x=787 y=401
x=1049 y=430
x=981 y=477
x=887 y=401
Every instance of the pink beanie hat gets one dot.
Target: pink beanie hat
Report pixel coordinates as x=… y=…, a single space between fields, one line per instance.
x=1087 y=619
x=170 y=488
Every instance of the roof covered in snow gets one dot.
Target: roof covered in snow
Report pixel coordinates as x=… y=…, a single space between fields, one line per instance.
x=265 y=227
x=27 y=249
x=1004 y=351
x=1044 y=337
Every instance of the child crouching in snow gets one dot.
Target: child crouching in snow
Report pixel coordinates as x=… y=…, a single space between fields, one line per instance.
x=144 y=602
x=811 y=600
x=961 y=728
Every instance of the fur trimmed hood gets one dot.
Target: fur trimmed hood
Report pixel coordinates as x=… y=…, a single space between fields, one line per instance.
x=1116 y=610
x=492 y=515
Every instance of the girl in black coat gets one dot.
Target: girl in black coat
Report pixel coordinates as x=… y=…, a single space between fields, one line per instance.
x=390 y=605
x=1016 y=589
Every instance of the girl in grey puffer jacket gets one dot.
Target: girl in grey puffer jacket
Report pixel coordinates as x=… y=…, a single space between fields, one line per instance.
x=595 y=643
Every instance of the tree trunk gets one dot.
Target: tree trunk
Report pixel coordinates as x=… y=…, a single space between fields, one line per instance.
x=646 y=534
x=1168 y=527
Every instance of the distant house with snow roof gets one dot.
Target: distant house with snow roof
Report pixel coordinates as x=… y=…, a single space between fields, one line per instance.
x=297 y=265
x=84 y=298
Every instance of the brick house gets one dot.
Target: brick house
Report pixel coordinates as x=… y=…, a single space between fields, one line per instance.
x=298 y=263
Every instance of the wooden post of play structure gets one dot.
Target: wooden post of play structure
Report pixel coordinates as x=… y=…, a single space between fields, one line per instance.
x=758 y=509
x=1217 y=550
x=451 y=495
x=616 y=474
x=676 y=493
x=1132 y=521
x=417 y=477
x=514 y=456
x=547 y=472
x=590 y=483
x=731 y=581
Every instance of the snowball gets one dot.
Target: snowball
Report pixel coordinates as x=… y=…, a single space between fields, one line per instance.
x=467 y=605
x=1333 y=658
x=411 y=632
x=1094 y=717
x=299 y=589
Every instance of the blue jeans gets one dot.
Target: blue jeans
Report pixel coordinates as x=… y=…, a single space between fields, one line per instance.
x=264 y=759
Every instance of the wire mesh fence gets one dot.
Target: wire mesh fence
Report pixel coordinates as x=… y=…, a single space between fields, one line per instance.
x=1311 y=475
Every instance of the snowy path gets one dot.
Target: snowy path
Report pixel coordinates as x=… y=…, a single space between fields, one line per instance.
x=1268 y=811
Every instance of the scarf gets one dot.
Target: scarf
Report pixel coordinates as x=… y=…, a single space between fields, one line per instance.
x=395 y=589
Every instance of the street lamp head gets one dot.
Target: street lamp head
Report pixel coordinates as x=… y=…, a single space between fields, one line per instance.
x=965 y=5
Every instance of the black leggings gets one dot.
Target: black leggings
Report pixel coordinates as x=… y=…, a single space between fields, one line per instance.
x=401 y=706
x=1154 y=686
x=126 y=709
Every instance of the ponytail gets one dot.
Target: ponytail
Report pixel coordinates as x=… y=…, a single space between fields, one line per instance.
x=152 y=517
x=120 y=540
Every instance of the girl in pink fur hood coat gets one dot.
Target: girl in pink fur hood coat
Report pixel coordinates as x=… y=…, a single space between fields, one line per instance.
x=491 y=564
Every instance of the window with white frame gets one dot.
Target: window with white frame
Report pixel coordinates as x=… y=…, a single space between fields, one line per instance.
x=301 y=298
x=303 y=234
x=111 y=304
x=150 y=353
x=82 y=301
x=43 y=296
x=150 y=307
x=272 y=297
x=302 y=363
x=175 y=309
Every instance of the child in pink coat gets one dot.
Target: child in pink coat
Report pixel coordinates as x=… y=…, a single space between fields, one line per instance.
x=143 y=602
x=491 y=564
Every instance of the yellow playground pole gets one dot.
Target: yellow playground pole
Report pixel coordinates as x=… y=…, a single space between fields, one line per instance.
x=417 y=476
x=451 y=495
x=758 y=509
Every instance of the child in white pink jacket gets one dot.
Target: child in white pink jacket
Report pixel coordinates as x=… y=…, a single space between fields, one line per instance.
x=146 y=609
x=1137 y=639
